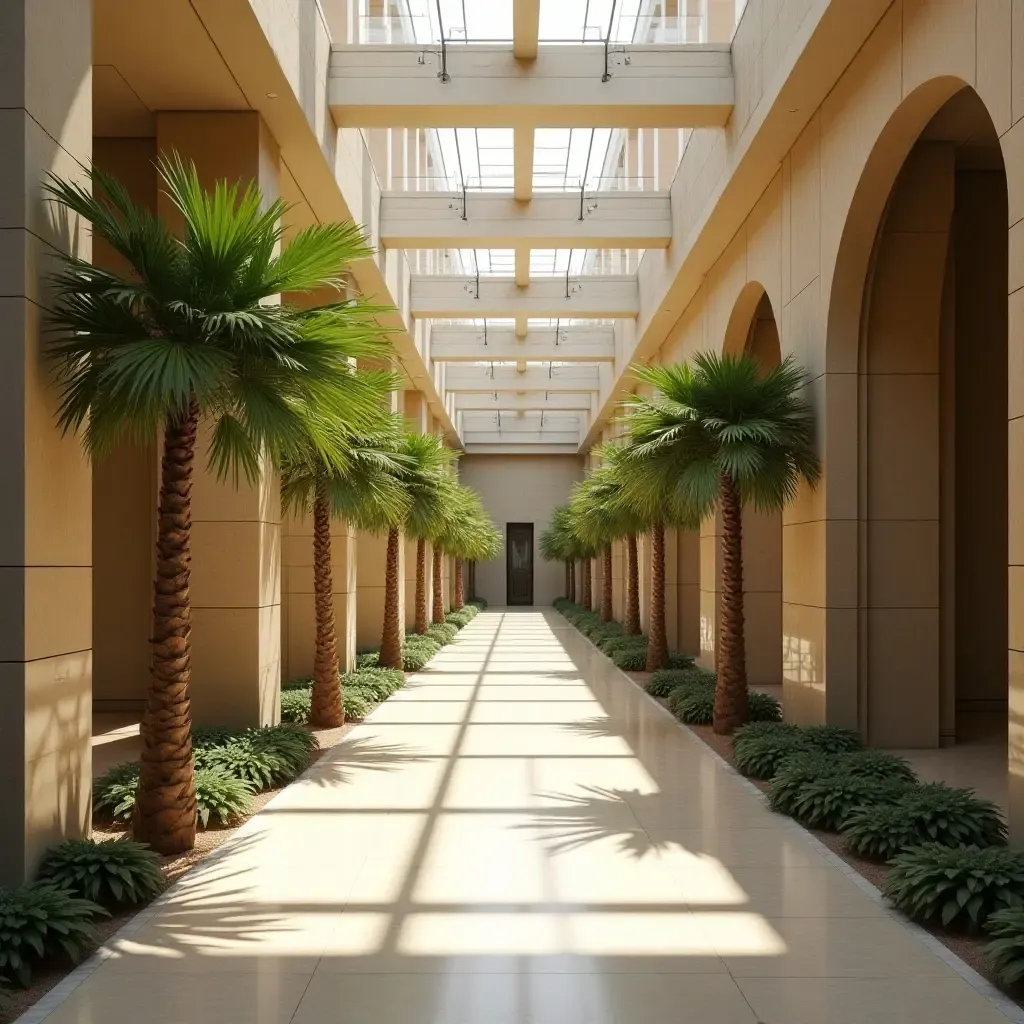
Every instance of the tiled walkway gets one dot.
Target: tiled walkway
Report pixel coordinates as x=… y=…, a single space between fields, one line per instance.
x=520 y=837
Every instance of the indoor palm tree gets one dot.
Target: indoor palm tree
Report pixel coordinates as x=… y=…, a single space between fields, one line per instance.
x=657 y=508
x=600 y=517
x=427 y=482
x=717 y=431
x=362 y=484
x=188 y=337
x=467 y=535
x=555 y=545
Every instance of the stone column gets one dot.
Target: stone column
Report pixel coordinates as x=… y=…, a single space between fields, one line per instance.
x=236 y=531
x=45 y=542
x=710 y=593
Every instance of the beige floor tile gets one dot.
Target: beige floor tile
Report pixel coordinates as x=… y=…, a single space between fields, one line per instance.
x=867 y=1001
x=736 y=847
x=846 y=947
x=204 y=998
x=577 y=713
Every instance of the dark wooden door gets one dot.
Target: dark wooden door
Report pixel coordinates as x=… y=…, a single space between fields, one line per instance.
x=519 y=563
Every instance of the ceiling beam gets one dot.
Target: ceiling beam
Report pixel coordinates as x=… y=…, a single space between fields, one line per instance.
x=523 y=163
x=553 y=220
x=590 y=296
x=530 y=401
x=574 y=344
x=648 y=86
x=525 y=29
x=487 y=379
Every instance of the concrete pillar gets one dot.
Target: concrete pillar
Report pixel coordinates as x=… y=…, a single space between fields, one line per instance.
x=371 y=562
x=45 y=542
x=236 y=531
x=666 y=157
x=688 y=595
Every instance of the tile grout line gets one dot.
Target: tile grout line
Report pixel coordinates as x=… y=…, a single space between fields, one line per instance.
x=1006 y=1006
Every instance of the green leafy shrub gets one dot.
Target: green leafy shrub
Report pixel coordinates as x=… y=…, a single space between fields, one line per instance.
x=679 y=661
x=296 y=706
x=694 y=704
x=624 y=642
x=665 y=680
x=933 y=813
x=298 y=683
x=1006 y=950
x=113 y=792
x=356 y=702
x=878 y=764
x=819 y=792
x=284 y=748
x=479 y=603
x=368 y=659
x=442 y=633
x=417 y=651
x=41 y=921
x=377 y=683
x=832 y=739
x=113 y=873
x=459 y=619
x=957 y=887
x=759 y=754
x=751 y=731
x=221 y=797
x=630 y=659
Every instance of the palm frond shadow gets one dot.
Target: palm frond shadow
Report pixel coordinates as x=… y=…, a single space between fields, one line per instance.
x=596 y=813
x=345 y=762
x=596 y=728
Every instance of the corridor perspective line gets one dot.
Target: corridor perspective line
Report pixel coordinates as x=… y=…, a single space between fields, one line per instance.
x=520 y=836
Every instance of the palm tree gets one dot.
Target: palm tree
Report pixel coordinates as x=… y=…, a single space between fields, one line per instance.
x=718 y=432
x=600 y=517
x=362 y=485
x=556 y=545
x=427 y=479
x=467 y=535
x=186 y=337
x=657 y=508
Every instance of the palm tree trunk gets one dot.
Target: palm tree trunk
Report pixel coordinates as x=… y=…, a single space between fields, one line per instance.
x=568 y=581
x=607 y=598
x=731 y=691
x=460 y=597
x=165 y=801
x=421 y=586
x=572 y=581
x=657 y=644
x=472 y=581
x=391 y=637
x=327 y=709
x=588 y=583
x=632 y=588
x=438 y=586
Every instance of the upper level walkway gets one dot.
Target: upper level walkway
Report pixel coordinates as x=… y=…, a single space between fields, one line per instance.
x=519 y=837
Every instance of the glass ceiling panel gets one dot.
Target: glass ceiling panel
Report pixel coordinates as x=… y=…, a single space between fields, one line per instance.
x=490 y=21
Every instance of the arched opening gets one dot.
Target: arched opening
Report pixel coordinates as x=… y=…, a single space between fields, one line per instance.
x=931 y=440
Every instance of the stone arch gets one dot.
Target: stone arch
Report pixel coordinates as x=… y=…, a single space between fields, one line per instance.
x=907 y=302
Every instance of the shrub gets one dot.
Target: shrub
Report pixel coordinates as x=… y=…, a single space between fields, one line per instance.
x=678 y=661
x=958 y=887
x=756 y=730
x=760 y=753
x=1006 y=950
x=624 y=642
x=267 y=756
x=417 y=651
x=877 y=764
x=296 y=706
x=113 y=792
x=819 y=792
x=631 y=659
x=832 y=739
x=40 y=921
x=479 y=603
x=356 y=702
x=694 y=704
x=221 y=797
x=298 y=683
x=377 y=683
x=665 y=680
x=932 y=813
x=442 y=633
x=459 y=619
x=368 y=659
x=112 y=873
